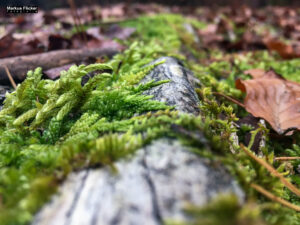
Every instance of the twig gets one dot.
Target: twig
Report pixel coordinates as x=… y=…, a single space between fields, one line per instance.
x=77 y=20
x=19 y=65
x=286 y=158
x=275 y=198
x=74 y=16
x=230 y=99
x=289 y=130
x=272 y=171
x=10 y=77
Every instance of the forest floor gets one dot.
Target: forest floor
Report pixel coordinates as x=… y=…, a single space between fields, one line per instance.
x=66 y=117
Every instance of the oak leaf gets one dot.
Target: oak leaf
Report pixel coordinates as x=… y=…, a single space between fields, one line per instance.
x=273 y=98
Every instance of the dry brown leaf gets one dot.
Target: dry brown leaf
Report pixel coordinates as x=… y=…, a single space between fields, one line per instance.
x=54 y=73
x=255 y=73
x=258 y=73
x=284 y=50
x=271 y=97
x=10 y=46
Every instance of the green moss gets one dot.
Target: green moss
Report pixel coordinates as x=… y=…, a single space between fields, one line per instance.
x=167 y=30
x=50 y=128
x=224 y=210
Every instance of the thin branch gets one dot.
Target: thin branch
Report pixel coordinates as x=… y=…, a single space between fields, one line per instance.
x=285 y=158
x=289 y=130
x=77 y=20
x=275 y=198
x=273 y=171
x=230 y=99
x=11 y=79
x=73 y=16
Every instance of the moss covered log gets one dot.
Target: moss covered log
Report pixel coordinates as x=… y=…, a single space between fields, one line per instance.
x=50 y=128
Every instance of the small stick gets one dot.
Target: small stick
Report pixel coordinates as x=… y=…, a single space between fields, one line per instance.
x=230 y=99
x=289 y=130
x=286 y=158
x=275 y=198
x=19 y=65
x=273 y=171
x=10 y=77
x=76 y=18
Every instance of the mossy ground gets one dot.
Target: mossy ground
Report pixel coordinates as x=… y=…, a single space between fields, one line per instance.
x=50 y=128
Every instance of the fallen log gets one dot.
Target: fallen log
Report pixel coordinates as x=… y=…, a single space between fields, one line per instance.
x=18 y=66
x=155 y=184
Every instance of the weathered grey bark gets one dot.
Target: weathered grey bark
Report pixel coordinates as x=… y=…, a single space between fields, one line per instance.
x=18 y=66
x=151 y=187
x=179 y=91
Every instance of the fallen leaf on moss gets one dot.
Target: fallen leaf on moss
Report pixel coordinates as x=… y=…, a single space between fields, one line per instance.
x=259 y=73
x=284 y=50
x=271 y=97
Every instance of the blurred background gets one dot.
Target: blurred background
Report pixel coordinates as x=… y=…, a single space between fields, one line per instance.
x=63 y=3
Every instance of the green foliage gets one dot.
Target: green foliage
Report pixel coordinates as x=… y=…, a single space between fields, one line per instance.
x=158 y=28
x=49 y=128
x=245 y=169
x=224 y=210
x=166 y=30
x=288 y=68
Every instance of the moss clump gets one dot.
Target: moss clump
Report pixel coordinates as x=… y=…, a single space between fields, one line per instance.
x=48 y=128
x=228 y=210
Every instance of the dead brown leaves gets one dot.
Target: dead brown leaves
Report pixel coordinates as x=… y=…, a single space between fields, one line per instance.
x=243 y=29
x=271 y=97
x=52 y=30
x=286 y=51
x=11 y=46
